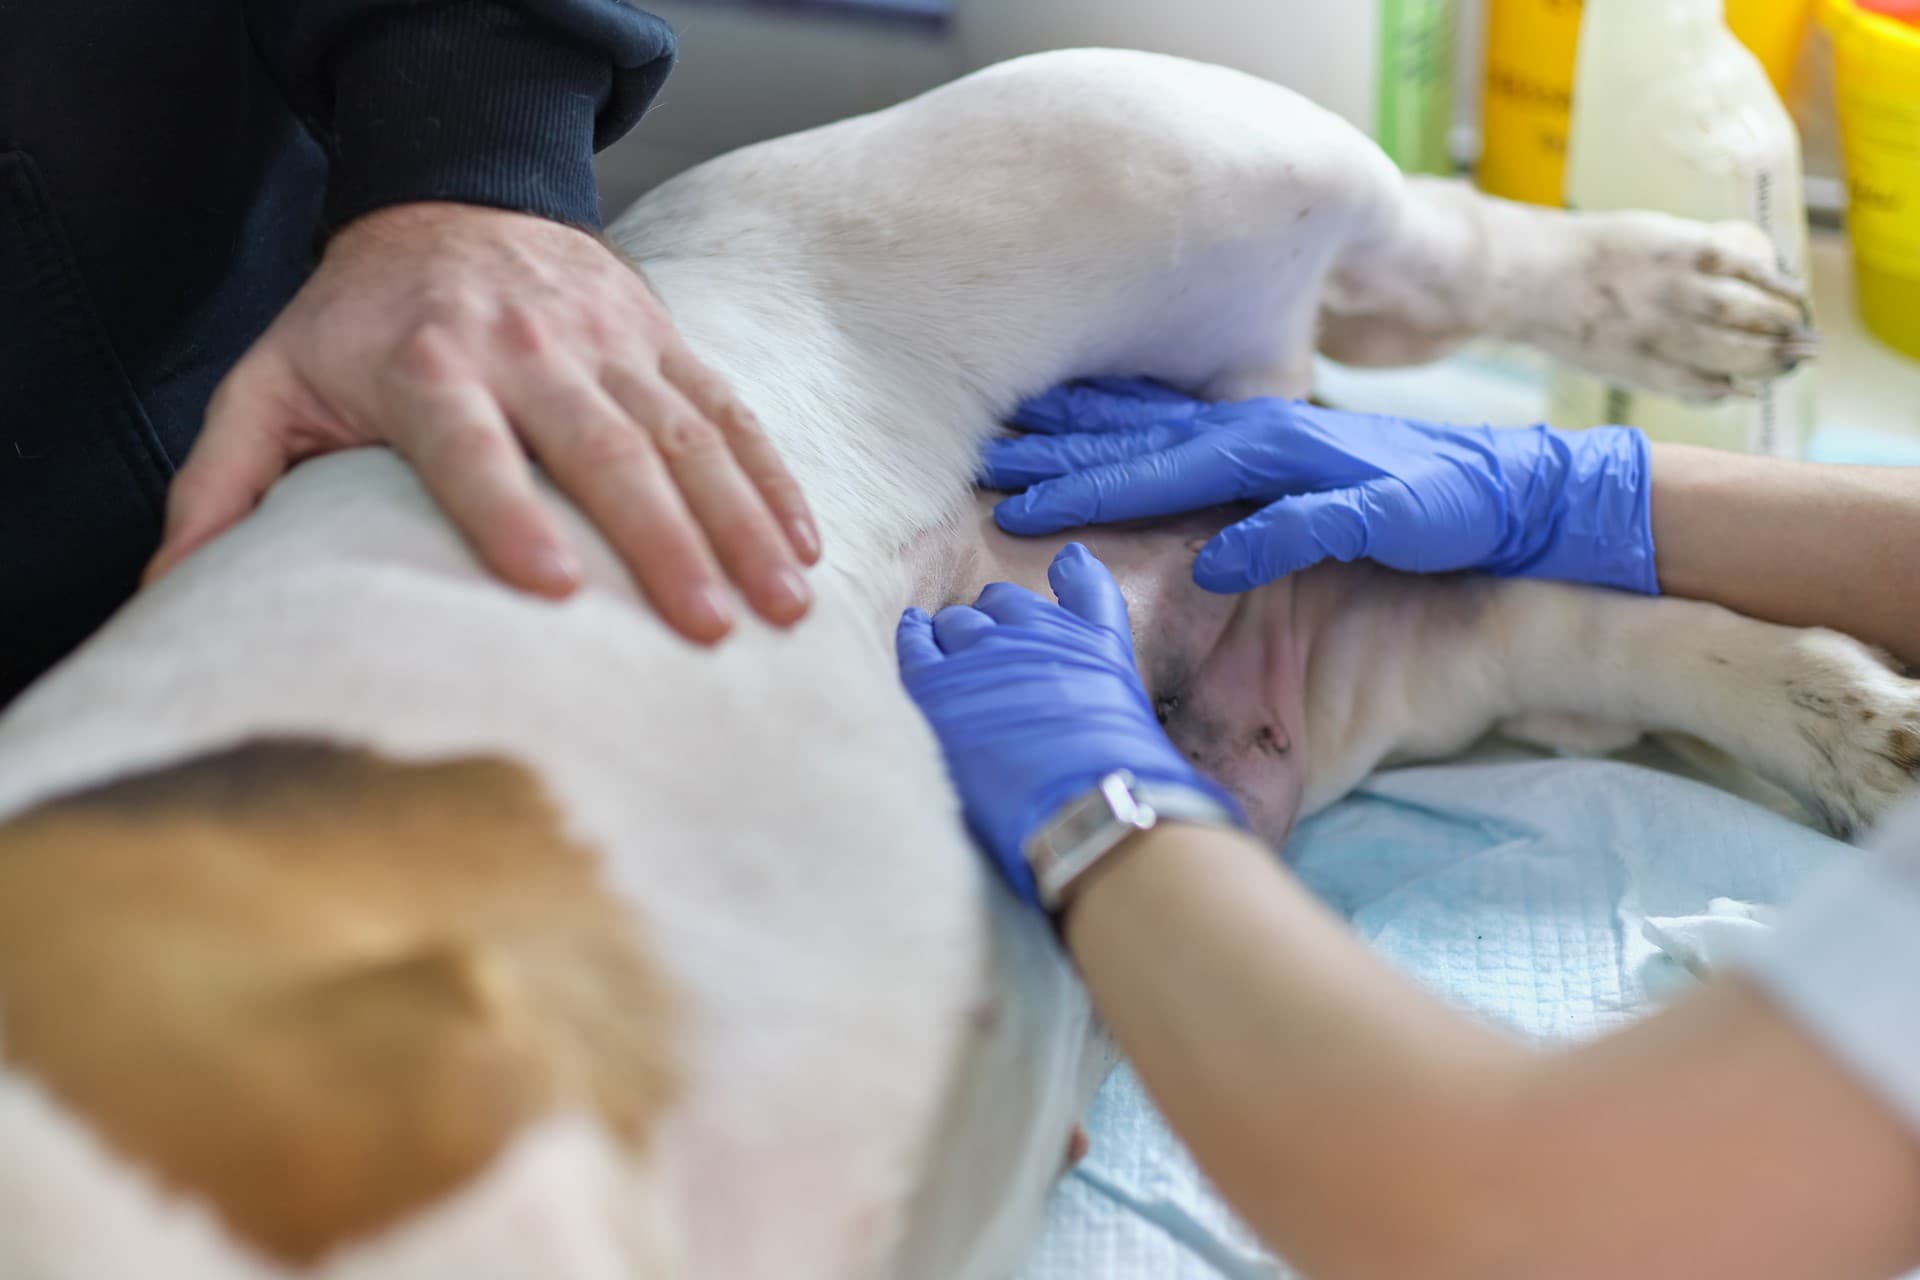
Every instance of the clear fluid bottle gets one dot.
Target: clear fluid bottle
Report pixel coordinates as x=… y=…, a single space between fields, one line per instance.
x=1671 y=112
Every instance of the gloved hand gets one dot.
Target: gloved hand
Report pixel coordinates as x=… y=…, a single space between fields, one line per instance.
x=1421 y=497
x=1035 y=702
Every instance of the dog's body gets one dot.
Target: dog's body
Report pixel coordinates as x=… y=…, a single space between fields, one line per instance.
x=820 y=1042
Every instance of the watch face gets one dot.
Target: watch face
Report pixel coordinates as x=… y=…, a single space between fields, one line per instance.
x=1080 y=824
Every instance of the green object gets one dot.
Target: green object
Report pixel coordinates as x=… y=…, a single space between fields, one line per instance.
x=1414 y=119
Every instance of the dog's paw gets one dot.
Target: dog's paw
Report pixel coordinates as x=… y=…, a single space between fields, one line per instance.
x=1691 y=309
x=1855 y=724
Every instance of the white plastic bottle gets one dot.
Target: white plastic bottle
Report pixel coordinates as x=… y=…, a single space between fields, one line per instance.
x=1386 y=65
x=1672 y=113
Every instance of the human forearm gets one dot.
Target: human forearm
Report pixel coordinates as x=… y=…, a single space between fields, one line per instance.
x=1795 y=543
x=1333 y=1103
x=1714 y=1138
x=1364 y=1129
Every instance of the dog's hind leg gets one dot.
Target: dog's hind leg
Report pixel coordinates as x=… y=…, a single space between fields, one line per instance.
x=1406 y=668
x=1689 y=308
x=1069 y=214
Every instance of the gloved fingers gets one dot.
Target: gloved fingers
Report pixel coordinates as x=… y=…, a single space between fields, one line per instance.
x=1084 y=587
x=914 y=643
x=1108 y=404
x=1189 y=477
x=958 y=628
x=1013 y=463
x=1009 y=603
x=1286 y=537
x=1139 y=389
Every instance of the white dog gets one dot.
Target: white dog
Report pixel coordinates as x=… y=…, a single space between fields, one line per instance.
x=404 y=926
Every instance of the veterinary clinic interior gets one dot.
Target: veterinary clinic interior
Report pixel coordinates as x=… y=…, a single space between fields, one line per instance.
x=959 y=639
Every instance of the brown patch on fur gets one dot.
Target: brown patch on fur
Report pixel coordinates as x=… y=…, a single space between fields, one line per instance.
x=1903 y=745
x=318 y=988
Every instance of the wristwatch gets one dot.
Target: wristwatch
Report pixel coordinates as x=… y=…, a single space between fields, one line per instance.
x=1086 y=829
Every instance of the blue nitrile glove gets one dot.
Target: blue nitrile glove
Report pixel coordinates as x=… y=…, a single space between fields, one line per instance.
x=1035 y=702
x=1416 y=496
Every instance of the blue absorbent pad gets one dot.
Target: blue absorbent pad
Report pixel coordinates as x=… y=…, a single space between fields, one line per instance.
x=1516 y=888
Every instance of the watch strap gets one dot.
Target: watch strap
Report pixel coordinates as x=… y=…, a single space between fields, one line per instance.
x=1085 y=830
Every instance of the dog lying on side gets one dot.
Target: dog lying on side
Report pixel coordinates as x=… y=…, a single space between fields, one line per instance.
x=362 y=918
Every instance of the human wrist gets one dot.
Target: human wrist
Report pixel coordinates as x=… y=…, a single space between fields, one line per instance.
x=1581 y=503
x=1137 y=879
x=401 y=229
x=1097 y=824
x=1047 y=803
x=491 y=109
x=1111 y=872
x=1690 y=516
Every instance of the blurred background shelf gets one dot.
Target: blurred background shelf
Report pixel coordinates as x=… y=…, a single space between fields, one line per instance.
x=752 y=69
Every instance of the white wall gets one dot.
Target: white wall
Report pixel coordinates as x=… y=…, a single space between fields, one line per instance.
x=1325 y=49
x=745 y=74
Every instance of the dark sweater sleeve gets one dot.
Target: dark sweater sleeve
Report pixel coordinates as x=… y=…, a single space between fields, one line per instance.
x=490 y=102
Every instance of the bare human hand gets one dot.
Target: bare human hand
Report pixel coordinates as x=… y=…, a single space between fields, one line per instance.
x=468 y=338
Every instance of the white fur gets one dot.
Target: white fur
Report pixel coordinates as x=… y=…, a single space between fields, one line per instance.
x=346 y=610
x=560 y=1201
x=884 y=1055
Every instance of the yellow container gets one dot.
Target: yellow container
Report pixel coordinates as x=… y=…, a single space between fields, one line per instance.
x=1774 y=30
x=1877 y=81
x=1526 y=101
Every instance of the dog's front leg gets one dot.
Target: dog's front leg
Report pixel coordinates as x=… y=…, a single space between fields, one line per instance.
x=1688 y=308
x=1417 y=668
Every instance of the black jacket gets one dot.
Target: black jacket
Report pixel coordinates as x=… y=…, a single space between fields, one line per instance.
x=168 y=169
